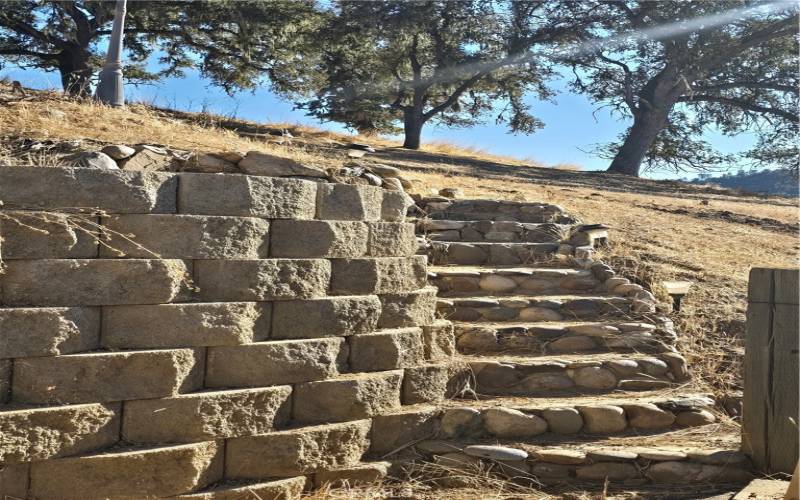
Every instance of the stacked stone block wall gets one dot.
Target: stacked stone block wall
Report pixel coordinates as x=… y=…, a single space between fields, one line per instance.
x=164 y=334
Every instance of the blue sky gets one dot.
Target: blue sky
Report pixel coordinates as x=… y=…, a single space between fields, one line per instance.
x=572 y=124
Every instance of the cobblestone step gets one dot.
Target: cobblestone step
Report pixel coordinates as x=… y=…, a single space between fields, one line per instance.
x=510 y=254
x=493 y=231
x=463 y=281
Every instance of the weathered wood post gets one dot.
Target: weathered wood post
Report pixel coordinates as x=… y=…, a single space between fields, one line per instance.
x=770 y=413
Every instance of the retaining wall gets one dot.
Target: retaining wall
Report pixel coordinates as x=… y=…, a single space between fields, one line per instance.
x=162 y=334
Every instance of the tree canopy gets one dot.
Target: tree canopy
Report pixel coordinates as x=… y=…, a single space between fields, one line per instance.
x=677 y=68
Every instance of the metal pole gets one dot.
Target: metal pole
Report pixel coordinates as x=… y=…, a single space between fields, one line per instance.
x=110 y=89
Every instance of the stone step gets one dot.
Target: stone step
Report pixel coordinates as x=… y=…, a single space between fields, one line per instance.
x=494 y=210
x=573 y=307
x=503 y=254
x=465 y=280
x=554 y=465
x=593 y=374
x=542 y=420
x=536 y=338
x=493 y=231
x=279 y=489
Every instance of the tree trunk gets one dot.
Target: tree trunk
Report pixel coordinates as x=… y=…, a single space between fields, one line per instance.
x=412 y=127
x=76 y=71
x=646 y=127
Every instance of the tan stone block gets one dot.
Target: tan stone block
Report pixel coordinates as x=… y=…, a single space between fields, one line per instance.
x=317 y=238
x=363 y=474
x=439 y=340
x=5 y=380
x=391 y=239
x=48 y=331
x=328 y=317
x=107 y=376
x=86 y=188
x=280 y=489
x=185 y=325
x=297 y=451
x=188 y=418
x=267 y=279
x=348 y=397
x=434 y=382
x=274 y=363
x=185 y=237
x=152 y=472
x=394 y=205
x=378 y=275
x=93 y=282
x=14 y=481
x=44 y=433
x=603 y=419
x=247 y=195
x=386 y=350
x=47 y=235
x=394 y=431
x=349 y=202
x=259 y=163
x=408 y=309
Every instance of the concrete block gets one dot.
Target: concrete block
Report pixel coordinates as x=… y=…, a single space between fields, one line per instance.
x=185 y=237
x=93 y=282
x=348 y=397
x=47 y=235
x=48 y=331
x=71 y=189
x=279 y=489
x=378 y=275
x=393 y=431
x=439 y=339
x=349 y=202
x=391 y=239
x=386 y=350
x=274 y=363
x=393 y=207
x=408 y=309
x=297 y=451
x=268 y=279
x=246 y=195
x=328 y=317
x=316 y=238
x=189 y=418
x=107 y=376
x=185 y=325
x=44 y=433
x=148 y=473
x=14 y=481
x=434 y=382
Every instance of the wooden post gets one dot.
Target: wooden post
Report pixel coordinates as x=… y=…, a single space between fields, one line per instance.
x=770 y=413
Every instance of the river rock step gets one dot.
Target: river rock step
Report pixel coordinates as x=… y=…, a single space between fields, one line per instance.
x=503 y=254
x=494 y=210
x=462 y=281
x=532 y=338
x=493 y=231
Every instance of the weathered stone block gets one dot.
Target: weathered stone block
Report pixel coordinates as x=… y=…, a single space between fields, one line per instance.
x=439 y=339
x=258 y=163
x=188 y=418
x=378 y=275
x=185 y=237
x=349 y=202
x=268 y=279
x=273 y=363
x=107 y=376
x=434 y=382
x=153 y=472
x=14 y=481
x=394 y=205
x=70 y=189
x=268 y=197
x=392 y=239
x=5 y=380
x=280 y=489
x=394 y=431
x=44 y=433
x=185 y=325
x=349 y=397
x=329 y=317
x=47 y=235
x=408 y=309
x=48 y=331
x=316 y=238
x=93 y=282
x=363 y=474
x=386 y=350
x=297 y=451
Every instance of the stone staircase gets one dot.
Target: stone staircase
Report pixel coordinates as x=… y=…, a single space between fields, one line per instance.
x=568 y=372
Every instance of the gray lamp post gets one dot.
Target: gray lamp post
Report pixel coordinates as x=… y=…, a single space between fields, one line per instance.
x=110 y=89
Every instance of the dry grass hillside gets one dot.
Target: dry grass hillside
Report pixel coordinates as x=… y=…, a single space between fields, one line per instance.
x=661 y=230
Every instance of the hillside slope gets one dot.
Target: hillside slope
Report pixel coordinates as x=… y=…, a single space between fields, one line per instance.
x=660 y=229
